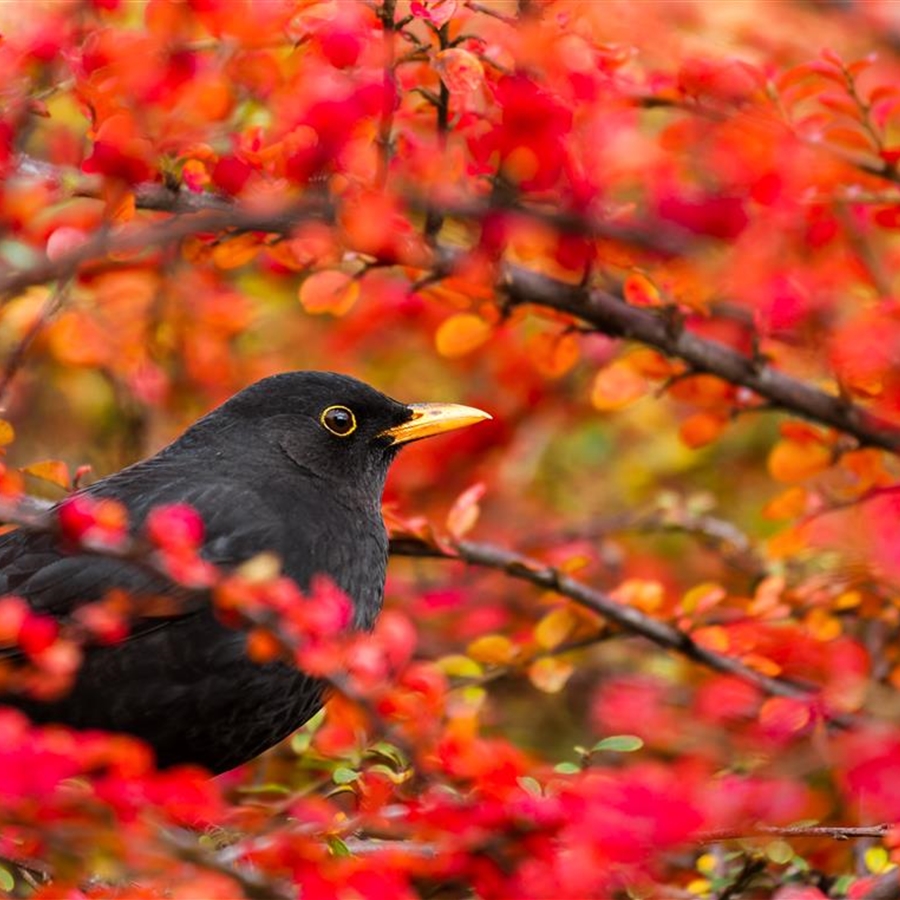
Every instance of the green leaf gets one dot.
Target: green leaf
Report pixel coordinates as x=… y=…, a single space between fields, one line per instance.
x=618 y=743
x=530 y=785
x=343 y=775
x=7 y=881
x=567 y=768
x=338 y=847
x=389 y=752
x=270 y=788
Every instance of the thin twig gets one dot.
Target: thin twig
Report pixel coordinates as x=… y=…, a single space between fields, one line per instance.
x=15 y=359
x=835 y=832
x=389 y=86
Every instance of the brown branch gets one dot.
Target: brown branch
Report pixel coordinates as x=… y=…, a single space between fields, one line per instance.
x=628 y=618
x=835 y=832
x=613 y=316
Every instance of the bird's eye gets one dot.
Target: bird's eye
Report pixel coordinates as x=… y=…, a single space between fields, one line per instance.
x=339 y=420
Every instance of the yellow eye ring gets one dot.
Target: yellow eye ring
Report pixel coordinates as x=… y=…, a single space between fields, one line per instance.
x=338 y=420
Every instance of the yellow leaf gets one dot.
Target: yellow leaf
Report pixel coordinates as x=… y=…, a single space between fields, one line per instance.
x=550 y=674
x=260 y=569
x=329 y=291
x=52 y=470
x=702 y=597
x=617 y=386
x=458 y=666
x=847 y=600
x=554 y=627
x=877 y=860
x=823 y=626
x=493 y=649
x=461 y=334
x=7 y=433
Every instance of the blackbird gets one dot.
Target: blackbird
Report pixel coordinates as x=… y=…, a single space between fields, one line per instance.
x=295 y=465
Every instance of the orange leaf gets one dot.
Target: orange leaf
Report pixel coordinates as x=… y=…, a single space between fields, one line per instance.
x=329 y=291
x=787 y=543
x=236 y=251
x=705 y=391
x=822 y=625
x=784 y=715
x=53 y=470
x=465 y=511
x=263 y=646
x=494 y=649
x=714 y=637
x=7 y=433
x=554 y=355
x=555 y=627
x=787 y=505
x=639 y=290
x=701 y=429
x=616 y=386
x=461 y=334
x=641 y=593
x=792 y=461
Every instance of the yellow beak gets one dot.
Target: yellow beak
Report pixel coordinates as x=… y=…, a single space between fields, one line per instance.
x=433 y=418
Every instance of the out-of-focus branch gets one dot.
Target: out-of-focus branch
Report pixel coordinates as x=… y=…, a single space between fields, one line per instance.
x=135 y=238
x=598 y=308
x=628 y=618
x=17 y=356
x=253 y=885
x=886 y=887
x=389 y=87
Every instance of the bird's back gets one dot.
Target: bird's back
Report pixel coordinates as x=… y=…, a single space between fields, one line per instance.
x=184 y=682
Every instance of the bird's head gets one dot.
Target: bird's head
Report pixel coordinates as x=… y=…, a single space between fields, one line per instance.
x=338 y=429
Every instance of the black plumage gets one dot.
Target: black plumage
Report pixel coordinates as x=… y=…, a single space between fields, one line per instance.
x=295 y=465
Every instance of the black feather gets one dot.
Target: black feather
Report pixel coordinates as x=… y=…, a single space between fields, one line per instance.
x=265 y=475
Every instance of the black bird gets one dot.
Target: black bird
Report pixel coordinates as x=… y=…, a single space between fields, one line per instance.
x=294 y=464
